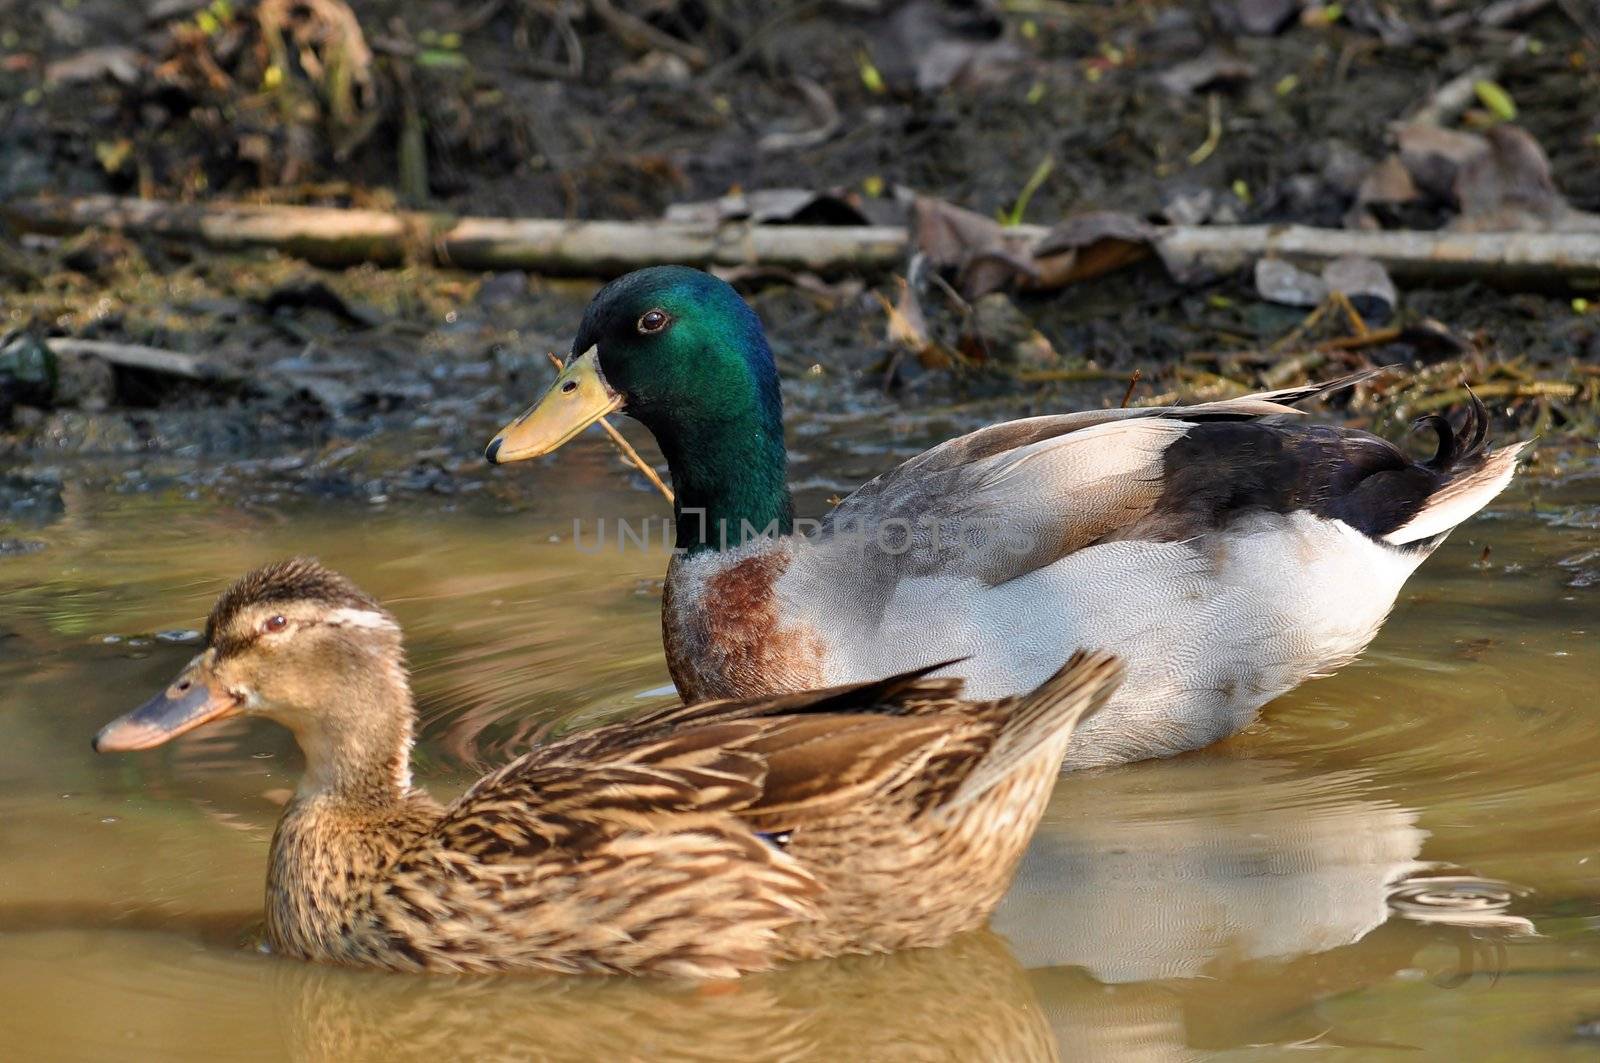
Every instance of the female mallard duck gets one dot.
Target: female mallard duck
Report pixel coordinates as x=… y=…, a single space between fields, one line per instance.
x=700 y=841
x=1226 y=550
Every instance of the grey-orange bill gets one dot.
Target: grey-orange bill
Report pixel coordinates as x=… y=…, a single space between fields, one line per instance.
x=189 y=702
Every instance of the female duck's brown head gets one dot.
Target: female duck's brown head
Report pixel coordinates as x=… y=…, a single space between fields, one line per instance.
x=301 y=645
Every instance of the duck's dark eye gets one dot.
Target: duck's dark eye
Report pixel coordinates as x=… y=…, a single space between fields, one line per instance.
x=569 y=387
x=654 y=321
x=275 y=623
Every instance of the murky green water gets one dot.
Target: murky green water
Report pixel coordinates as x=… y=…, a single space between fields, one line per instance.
x=1400 y=862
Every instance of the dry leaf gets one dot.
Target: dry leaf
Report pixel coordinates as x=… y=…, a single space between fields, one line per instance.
x=1214 y=69
x=1387 y=182
x=907 y=328
x=1264 y=18
x=982 y=254
x=114 y=61
x=1087 y=246
x=1434 y=156
x=1508 y=188
x=933 y=48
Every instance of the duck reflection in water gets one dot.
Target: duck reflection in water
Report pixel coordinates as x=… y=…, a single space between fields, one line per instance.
x=1213 y=900
x=969 y=1000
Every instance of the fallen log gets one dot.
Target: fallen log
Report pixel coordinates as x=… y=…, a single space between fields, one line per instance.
x=333 y=236
x=338 y=237
x=1510 y=259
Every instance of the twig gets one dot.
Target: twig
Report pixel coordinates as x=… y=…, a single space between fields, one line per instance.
x=14 y=264
x=1282 y=370
x=1292 y=369
x=640 y=34
x=1051 y=376
x=1133 y=382
x=1507 y=259
x=829 y=121
x=1213 y=130
x=1357 y=322
x=1454 y=96
x=626 y=447
x=334 y=236
x=756 y=39
x=1370 y=338
x=952 y=296
x=479 y=18
x=572 y=69
x=1306 y=325
x=1506 y=12
x=1586 y=19
x=412 y=150
x=1501 y=389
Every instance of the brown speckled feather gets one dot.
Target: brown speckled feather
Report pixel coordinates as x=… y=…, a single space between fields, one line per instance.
x=716 y=839
x=634 y=862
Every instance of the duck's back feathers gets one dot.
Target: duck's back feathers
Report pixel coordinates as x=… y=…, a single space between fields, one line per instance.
x=1228 y=551
x=1219 y=471
x=1042 y=719
x=634 y=864
x=901 y=692
x=1005 y=500
x=1012 y=498
x=1014 y=435
x=729 y=837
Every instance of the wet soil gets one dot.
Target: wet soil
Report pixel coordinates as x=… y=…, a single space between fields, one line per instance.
x=368 y=383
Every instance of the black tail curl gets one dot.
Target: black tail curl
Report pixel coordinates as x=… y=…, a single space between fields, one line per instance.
x=1456 y=448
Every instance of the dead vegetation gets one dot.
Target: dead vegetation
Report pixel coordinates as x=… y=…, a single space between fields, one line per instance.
x=1044 y=195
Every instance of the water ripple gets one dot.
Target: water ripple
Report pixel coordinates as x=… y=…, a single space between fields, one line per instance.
x=1460 y=900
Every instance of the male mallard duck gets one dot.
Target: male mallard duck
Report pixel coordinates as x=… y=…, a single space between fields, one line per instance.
x=1226 y=551
x=701 y=841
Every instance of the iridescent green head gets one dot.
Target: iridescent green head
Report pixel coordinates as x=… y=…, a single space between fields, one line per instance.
x=681 y=348
x=678 y=350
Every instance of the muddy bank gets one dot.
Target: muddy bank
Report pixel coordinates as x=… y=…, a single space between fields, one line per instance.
x=553 y=110
x=377 y=386
x=371 y=385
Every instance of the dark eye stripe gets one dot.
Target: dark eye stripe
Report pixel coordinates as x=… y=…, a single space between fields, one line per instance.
x=229 y=644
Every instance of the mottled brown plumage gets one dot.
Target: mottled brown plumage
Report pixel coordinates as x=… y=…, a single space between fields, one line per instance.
x=702 y=841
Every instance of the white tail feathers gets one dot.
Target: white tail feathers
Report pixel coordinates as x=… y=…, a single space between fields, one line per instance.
x=1459 y=498
x=1045 y=717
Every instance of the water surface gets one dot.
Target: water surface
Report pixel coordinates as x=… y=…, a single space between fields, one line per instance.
x=1403 y=859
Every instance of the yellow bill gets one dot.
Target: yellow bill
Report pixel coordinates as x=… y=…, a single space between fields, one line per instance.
x=579 y=397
